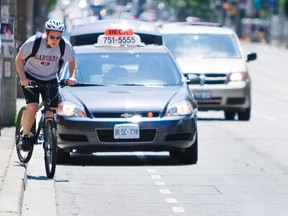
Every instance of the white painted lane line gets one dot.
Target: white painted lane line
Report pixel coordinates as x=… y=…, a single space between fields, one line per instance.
x=165 y=191
x=178 y=210
x=270 y=118
x=151 y=170
x=171 y=200
x=155 y=176
x=159 y=183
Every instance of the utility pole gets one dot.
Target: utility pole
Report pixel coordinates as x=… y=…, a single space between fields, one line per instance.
x=7 y=65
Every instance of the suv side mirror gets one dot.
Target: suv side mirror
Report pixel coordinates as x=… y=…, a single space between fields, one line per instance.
x=192 y=79
x=251 y=57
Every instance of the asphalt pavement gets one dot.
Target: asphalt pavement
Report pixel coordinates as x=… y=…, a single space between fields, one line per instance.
x=13 y=175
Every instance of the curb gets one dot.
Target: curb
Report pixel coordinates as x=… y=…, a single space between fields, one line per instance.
x=14 y=185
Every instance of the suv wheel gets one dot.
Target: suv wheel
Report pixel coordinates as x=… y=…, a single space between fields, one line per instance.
x=229 y=115
x=244 y=115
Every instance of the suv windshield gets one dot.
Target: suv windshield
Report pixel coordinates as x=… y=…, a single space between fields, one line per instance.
x=202 y=45
x=126 y=69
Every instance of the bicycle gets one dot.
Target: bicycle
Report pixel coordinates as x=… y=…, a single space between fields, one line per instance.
x=44 y=133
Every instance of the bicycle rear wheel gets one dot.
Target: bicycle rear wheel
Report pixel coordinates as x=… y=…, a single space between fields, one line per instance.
x=50 y=148
x=23 y=156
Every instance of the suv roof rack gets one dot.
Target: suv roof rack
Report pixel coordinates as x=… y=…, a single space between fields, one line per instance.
x=193 y=23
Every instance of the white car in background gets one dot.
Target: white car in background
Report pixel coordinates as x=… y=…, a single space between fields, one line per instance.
x=214 y=55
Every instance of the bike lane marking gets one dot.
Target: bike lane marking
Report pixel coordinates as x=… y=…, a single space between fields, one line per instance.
x=157 y=177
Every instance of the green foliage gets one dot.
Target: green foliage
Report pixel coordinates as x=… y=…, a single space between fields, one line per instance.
x=52 y=3
x=286 y=8
x=195 y=8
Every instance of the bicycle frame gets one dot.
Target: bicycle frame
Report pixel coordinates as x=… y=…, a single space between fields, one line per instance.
x=41 y=123
x=47 y=125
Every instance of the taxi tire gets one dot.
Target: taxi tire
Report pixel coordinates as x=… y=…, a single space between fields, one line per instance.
x=190 y=154
x=63 y=157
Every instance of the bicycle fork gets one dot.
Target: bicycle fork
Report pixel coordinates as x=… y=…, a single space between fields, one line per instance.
x=41 y=126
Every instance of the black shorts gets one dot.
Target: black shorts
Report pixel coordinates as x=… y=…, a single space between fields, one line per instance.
x=32 y=94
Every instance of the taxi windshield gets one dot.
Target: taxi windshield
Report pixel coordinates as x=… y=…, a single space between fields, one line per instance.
x=202 y=45
x=126 y=69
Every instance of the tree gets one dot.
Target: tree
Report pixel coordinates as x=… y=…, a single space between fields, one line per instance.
x=286 y=8
x=194 y=8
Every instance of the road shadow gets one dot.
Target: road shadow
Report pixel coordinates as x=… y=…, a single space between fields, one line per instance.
x=212 y=119
x=38 y=178
x=122 y=160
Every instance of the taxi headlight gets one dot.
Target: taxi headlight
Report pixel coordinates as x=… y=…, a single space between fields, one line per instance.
x=70 y=109
x=239 y=76
x=183 y=107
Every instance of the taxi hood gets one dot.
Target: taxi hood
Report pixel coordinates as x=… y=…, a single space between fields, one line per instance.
x=107 y=98
x=189 y=65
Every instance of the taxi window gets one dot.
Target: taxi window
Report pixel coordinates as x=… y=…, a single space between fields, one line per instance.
x=127 y=69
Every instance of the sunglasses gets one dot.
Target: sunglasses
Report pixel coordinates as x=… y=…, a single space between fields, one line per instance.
x=53 y=37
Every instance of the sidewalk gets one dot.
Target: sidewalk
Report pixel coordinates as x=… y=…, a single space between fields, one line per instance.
x=13 y=177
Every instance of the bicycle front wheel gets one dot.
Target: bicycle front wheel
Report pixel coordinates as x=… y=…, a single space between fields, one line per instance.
x=23 y=156
x=50 y=148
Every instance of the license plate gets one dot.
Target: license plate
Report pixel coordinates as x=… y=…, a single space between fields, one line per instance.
x=202 y=95
x=126 y=131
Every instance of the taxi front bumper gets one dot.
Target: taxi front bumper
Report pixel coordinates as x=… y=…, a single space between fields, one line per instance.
x=91 y=135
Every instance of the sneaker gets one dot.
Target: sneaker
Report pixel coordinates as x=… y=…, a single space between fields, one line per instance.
x=26 y=143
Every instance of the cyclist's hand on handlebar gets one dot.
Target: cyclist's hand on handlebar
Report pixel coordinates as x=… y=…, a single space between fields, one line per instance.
x=71 y=81
x=24 y=82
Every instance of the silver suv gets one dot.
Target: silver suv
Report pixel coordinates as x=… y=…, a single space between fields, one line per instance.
x=213 y=55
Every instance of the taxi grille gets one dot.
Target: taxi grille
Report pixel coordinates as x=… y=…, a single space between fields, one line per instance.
x=212 y=78
x=124 y=115
x=175 y=137
x=146 y=135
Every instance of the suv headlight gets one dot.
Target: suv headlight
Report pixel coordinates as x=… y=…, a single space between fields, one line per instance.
x=239 y=76
x=66 y=108
x=179 y=108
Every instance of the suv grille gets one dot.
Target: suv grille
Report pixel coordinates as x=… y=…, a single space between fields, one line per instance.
x=212 y=79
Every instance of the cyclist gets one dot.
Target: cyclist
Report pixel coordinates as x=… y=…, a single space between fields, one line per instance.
x=42 y=68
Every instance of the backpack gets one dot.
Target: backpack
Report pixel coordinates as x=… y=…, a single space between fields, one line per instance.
x=37 y=45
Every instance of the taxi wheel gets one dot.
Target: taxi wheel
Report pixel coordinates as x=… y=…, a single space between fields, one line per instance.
x=229 y=115
x=63 y=157
x=173 y=154
x=189 y=155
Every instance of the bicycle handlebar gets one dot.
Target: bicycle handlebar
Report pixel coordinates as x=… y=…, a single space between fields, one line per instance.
x=33 y=84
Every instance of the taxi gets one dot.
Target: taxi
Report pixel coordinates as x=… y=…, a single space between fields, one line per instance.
x=129 y=96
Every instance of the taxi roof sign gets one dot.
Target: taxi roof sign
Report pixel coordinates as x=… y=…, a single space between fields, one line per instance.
x=119 y=40
x=118 y=32
x=87 y=33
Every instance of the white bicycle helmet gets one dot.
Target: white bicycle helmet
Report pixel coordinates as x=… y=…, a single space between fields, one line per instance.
x=55 y=25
